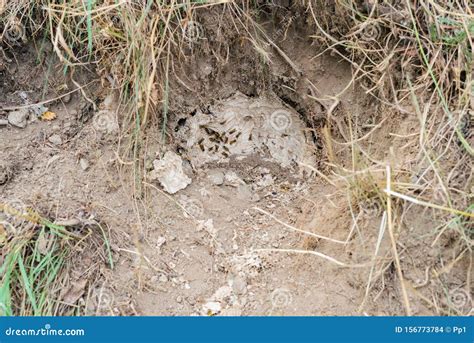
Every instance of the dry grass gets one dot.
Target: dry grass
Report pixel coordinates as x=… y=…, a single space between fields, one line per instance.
x=414 y=57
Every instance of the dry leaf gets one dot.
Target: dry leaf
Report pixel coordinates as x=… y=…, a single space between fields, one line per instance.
x=48 y=116
x=75 y=291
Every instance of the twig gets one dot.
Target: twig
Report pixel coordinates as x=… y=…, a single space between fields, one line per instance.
x=394 y=245
x=427 y=204
x=299 y=230
x=312 y=252
x=14 y=108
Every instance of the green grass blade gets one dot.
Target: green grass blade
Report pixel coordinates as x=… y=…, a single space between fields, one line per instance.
x=27 y=285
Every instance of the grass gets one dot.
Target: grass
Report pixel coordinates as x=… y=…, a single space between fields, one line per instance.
x=415 y=58
x=423 y=59
x=36 y=257
x=31 y=271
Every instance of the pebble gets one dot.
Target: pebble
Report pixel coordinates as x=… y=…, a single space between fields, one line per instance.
x=55 y=139
x=3 y=122
x=84 y=164
x=245 y=192
x=5 y=174
x=163 y=278
x=169 y=172
x=109 y=101
x=160 y=241
x=19 y=118
x=212 y=307
x=265 y=181
x=239 y=286
x=232 y=179
x=216 y=177
x=67 y=98
x=221 y=294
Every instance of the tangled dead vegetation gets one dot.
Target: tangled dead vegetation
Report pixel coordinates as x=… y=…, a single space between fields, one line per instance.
x=414 y=57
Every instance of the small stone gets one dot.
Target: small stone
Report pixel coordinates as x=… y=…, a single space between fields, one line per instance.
x=265 y=181
x=221 y=294
x=179 y=299
x=5 y=174
x=211 y=308
x=66 y=98
x=163 y=278
x=255 y=197
x=55 y=139
x=3 y=122
x=19 y=118
x=169 y=171
x=84 y=164
x=38 y=110
x=160 y=241
x=232 y=179
x=245 y=192
x=149 y=164
x=216 y=177
x=206 y=69
x=109 y=101
x=239 y=286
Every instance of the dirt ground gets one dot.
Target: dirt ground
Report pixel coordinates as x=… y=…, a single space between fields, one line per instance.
x=210 y=248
